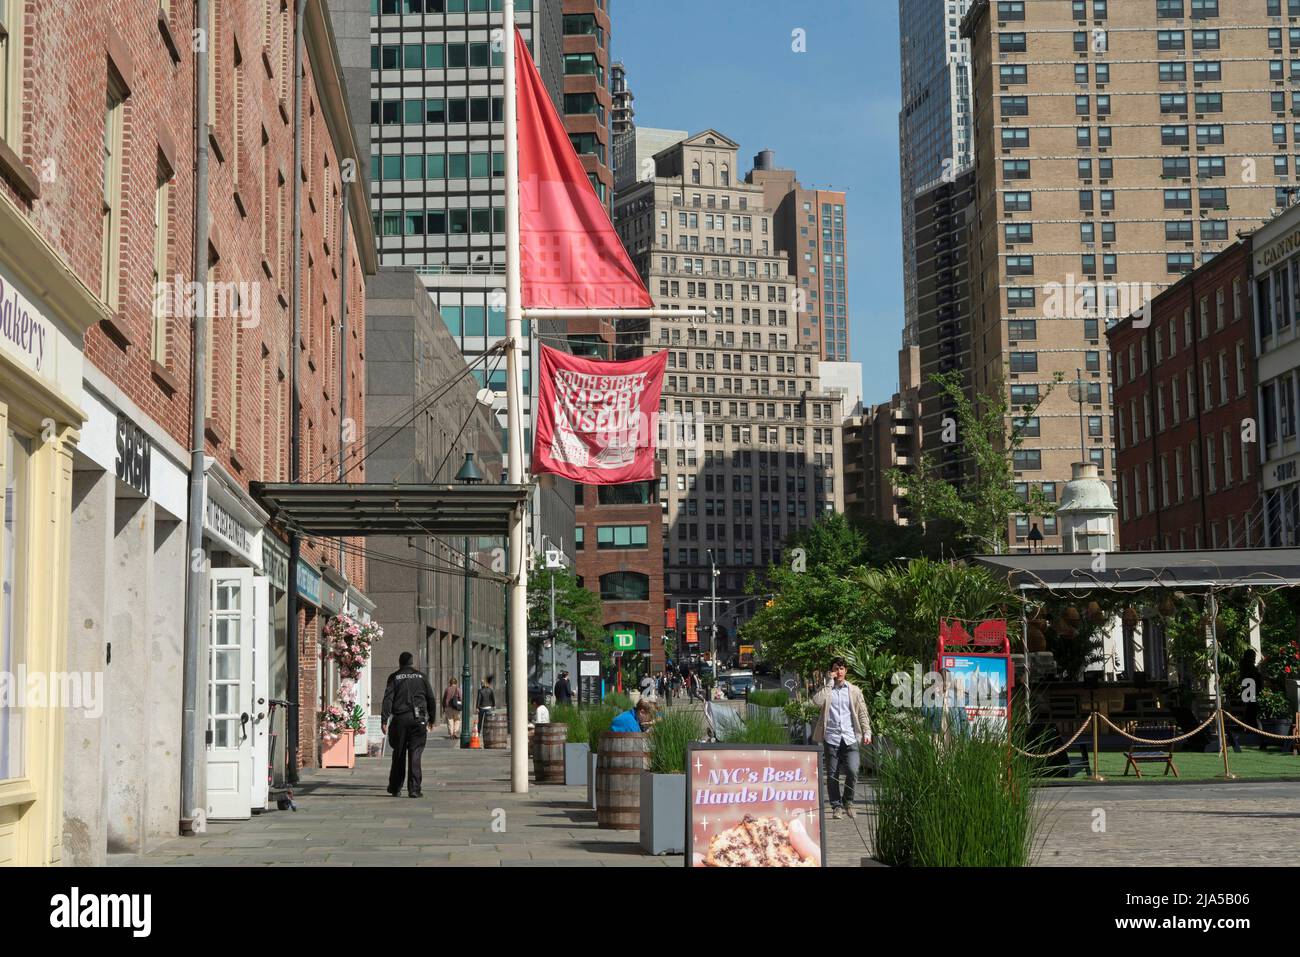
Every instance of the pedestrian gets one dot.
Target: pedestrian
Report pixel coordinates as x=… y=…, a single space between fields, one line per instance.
x=451 y=708
x=842 y=725
x=1248 y=670
x=408 y=702
x=563 y=693
x=635 y=719
x=542 y=715
x=487 y=700
x=647 y=687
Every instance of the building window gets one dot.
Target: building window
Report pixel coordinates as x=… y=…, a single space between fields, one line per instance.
x=16 y=504
x=625 y=586
x=111 y=207
x=621 y=536
x=161 y=231
x=11 y=71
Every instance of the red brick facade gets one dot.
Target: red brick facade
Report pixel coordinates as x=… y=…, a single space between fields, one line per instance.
x=578 y=123
x=75 y=53
x=594 y=561
x=1185 y=478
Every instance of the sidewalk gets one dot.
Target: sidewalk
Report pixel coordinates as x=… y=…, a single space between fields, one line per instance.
x=468 y=817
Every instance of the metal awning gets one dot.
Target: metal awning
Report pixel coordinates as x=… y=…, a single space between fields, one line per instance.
x=333 y=510
x=1211 y=569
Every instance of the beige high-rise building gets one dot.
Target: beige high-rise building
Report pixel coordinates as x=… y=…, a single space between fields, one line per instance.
x=750 y=438
x=1117 y=146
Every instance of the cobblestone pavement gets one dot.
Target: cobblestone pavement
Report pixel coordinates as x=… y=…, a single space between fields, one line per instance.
x=346 y=818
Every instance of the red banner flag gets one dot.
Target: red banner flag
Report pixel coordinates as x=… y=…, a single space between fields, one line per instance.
x=596 y=420
x=570 y=255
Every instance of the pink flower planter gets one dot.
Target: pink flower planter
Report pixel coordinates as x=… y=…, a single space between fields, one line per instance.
x=341 y=753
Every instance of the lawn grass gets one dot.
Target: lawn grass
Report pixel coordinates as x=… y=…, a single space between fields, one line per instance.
x=1250 y=765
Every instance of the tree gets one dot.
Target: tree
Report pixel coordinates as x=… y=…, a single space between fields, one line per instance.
x=982 y=507
x=577 y=612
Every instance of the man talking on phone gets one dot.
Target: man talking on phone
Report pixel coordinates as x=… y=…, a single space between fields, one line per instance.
x=843 y=723
x=408 y=704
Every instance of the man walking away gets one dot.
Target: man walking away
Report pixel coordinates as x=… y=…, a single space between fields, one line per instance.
x=408 y=703
x=563 y=693
x=843 y=723
x=451 y=708
x=487 y=700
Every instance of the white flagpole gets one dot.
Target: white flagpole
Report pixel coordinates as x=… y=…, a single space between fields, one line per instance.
x=517 y=606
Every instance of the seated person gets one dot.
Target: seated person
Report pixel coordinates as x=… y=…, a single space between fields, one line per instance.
x=635 y=719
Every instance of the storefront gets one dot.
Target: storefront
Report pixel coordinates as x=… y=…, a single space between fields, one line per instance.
x=40 y=419
x=1276 y=250
x=129 y=496
x=274 y=726
x=238 y=664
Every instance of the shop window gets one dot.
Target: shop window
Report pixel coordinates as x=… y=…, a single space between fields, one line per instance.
x=15 y=471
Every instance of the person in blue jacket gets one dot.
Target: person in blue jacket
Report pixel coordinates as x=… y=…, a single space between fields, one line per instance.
x=635 y=719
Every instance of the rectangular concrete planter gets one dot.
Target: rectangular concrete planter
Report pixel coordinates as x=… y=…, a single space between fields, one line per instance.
x=340 y=753
x=663 y=813
x=591 y=780
x=575 y=764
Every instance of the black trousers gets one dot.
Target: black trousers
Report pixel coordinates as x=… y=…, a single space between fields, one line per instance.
x=407 y=737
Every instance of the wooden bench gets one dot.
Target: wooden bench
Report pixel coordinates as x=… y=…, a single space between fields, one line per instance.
x=1146 y=753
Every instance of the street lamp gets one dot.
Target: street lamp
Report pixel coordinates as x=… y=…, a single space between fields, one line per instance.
x=469 y=475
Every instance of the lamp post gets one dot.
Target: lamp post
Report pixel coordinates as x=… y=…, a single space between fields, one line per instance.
x=470 y=475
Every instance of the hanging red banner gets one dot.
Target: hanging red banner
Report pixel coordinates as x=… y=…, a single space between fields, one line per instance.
x=570 y=255
x=596 y=420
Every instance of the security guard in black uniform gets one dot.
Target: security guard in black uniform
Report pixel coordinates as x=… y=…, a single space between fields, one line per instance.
x=408 y=702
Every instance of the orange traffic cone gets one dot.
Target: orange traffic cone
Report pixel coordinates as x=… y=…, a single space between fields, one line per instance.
x=474 y=741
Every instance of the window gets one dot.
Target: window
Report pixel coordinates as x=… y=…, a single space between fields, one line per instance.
x=624 y=586
x=1029 y=426
x=1204 y=8
x=1014 y=10
x=1020 y=265
x=1216 y=198
x=1205 y=39
x=1209 y=102
x=1170 y=39
x=15 y=498
x=1011 y=42
x=161 y=228
x=1169 y=8
x=1173 y=167
x=1173 y=102
x=1019 y=297
x=1019 y=232
x=1027 y=460
x=1015 y=106
x=1179 y=230
x=1172 y=71
x=1022 y=395
x=1017 y=202
x=1209 y=134
x=1210 y=166
x=1024 y=362
x=1009 y=73
x=1022 y=328
x=111 y=206
x=621 y=536
x=11 y=76
x=1204 y=71
x=1015 y=137
x=1178 y=263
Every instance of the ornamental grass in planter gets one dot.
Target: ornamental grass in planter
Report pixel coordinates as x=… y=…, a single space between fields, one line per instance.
x=768 y=699
x=663 y=787
x=756 y=729
x=960 y=800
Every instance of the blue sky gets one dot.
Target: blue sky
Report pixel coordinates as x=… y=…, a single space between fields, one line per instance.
x=830 y=113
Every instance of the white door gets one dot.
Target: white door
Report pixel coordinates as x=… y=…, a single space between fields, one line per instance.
x=261 y=722
x=230 y=693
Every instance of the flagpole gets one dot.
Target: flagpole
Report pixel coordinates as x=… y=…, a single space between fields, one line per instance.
x=517 y=605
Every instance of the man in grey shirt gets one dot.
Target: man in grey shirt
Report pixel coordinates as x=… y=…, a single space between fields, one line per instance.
x=844 y=722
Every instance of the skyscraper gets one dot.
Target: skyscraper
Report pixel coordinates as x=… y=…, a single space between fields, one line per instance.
x=750 y=440
x=1117 y=146
x=586 y=90
x=808 y=225
x=934 y=134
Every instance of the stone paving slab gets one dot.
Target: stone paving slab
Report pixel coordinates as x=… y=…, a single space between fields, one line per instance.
x=345 y=818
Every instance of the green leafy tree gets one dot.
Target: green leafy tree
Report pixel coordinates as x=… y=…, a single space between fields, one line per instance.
x=577 y=613
x=981 y=507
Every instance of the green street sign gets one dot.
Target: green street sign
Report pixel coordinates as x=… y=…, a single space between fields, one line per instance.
x=625 y=640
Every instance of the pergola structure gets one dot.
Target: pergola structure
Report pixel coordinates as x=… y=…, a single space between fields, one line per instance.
x=1072 y=573
x=332 y=510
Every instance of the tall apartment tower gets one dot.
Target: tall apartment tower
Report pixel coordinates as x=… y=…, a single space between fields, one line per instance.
x=1117 y=146
x=586 y=90
x=809 y=227
x=750 y=439
x=437 y=142
x=934 y=133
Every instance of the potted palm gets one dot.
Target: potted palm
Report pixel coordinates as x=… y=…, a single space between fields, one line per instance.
x=663 y=787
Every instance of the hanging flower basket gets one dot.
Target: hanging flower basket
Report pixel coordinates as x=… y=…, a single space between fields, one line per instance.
x=349 y=643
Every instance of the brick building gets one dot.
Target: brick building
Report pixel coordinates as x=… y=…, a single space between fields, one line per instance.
x=1184 y=389
x=99 y=184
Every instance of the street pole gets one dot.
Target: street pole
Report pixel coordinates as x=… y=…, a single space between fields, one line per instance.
x=517 y=604
x=465 y=676
x=552 y=675
x=713 y=611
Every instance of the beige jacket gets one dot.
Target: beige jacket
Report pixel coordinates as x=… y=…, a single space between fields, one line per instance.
x=857 y=709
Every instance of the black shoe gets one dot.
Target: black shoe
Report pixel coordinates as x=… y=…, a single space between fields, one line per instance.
x=417 y=794
x=394 y=793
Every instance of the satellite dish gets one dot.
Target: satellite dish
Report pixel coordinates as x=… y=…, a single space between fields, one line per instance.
x=486 y=396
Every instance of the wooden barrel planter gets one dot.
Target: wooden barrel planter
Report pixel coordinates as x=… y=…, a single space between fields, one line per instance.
x=622 y=757
x=548 y=753
x=496 y=731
